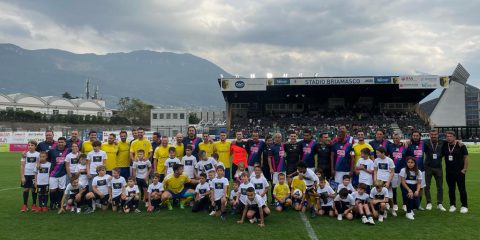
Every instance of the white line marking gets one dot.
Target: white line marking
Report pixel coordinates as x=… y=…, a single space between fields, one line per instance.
x=6 y=189
x=311 y=232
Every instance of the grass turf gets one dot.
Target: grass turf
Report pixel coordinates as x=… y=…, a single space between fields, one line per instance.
x=181 y=224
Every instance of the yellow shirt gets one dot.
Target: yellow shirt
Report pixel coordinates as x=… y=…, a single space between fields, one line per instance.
x=207 y=147
x=111 y=150
x=357 y=148
x=298 y=184
x=281 y=190
x=86 y=147
x=179 y=149
x=161 y=154
x=175 y=184
x=143 y=144
x=223 y=151
x=123 y=157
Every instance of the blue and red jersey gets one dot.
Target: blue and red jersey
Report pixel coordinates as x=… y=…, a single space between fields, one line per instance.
x=416 y=150
x=57 y=159
x=398 y=155
x=384 y=143
x=277 y=154
x=308 y=156
x=342 y=156
x=255 y=151
x=194 y=143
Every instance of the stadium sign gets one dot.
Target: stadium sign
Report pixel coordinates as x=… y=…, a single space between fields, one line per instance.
x=421 y=82
x=332 y=81
x=244 y=84
x=383 y=80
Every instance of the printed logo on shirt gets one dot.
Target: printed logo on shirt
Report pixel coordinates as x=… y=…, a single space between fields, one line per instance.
x=258 y=185
x=254 y=149
x=117 y=185
x=97 y=158
x=418 y=153
x=307 y=150
x=59 y=160
x=188 y=163
x=131 y=193
x=281 y=153
x=379 y=196
x=73 y=161
x=383 y=166
x=218 y=185
x=170 y=164
x=43 y=170
x=202 y=191
x=208 y=166
x=397 y=155
x=142 y=166
x=31 y=159
x=411 y=177
x=102 y=182
x=243 y=191
x=341 y=153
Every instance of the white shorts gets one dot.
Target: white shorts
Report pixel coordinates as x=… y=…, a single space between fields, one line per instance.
x=57 y=182
x=339 y=176
x=395 y=181
x=423 y=184
x=275 y=177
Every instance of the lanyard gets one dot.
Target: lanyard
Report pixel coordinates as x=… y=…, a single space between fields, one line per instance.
x=451 y=150
x=435 y=148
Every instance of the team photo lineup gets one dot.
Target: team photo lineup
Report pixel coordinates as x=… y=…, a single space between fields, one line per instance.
x=341 y=176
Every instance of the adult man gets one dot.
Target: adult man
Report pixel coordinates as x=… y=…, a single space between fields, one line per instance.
x=276 y=158
x=156 y=141
x=293 y=153
x=265 y=160
x=456 y=165
x=357 y=148
x=160 y=156
x=239 y=151
x=380 y=141
x=193 y=140
x=416 y=150
x=206 y=145
x=308 y=149
x=255 y=150
x=48 y=144
x=87 y=145
x=140 y=143
x=111 y=148
x=341 y=158
x=134 y=135
x=222 y=148
x=57 y=180
x=397 y=154
x=74 y=139
x=174 y=185
x=433 y=167
x=348 y=138
x=123 y=156
x=179 y=147
x=323 y=150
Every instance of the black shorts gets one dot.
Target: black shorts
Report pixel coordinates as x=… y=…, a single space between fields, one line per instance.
x=218 y=204
x=104 y=200
x=29 y=181
x=377 y=206
x=42 y=189
x=257 y=213
x=141 y=183
x=326 y=208
x=72 y=197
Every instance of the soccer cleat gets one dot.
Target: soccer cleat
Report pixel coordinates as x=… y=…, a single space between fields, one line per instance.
x=313 y=213
x=404 y=207
x=137 y=210
x=35 y=208
x=429 y=206
x=395 y=207
x=182 y=205
x=24 y=208
x=385 y=215
x=452 y=209
x=421 y=208
x=364 y=219
x=394 y=213
x=146 y=204
x=441 y=208
x=44 y=209
x=370 y=221
x=223 y=217
x=212 y=213
x=79 y=210
x=339 y=217
x=387 y=206
x=89 y=210
x=380 y=218
x=409 y=216
x=253 y=220
x=169 y=206
x=463 y=210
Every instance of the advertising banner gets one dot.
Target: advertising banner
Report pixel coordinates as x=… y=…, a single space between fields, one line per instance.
x=244 y=84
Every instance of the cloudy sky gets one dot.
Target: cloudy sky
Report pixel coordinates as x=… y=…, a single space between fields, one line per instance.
x=332 y=38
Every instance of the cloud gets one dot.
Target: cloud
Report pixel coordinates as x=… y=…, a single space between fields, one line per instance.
x=332 y=38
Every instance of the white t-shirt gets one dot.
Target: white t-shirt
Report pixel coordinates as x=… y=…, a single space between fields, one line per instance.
x=413 y=178
x=349 y=200
x=30 y=163
x=243 y=191
x=365 y=177
x=258 y=201
x=382 y=194
x=218 y=185
x=70 y=190
x=233 y=194
x=155 y=188
x=169 y=164
x=96 y=159
x=361 y=197
x=131 y=191
x=117 y=186
x=43 y=173
x=310 y=178
x=189 y=163
x=72 y=158
x=349 y=187
x=82 y=177
x=202 y=189
x=205 y=166
x=102 y=183
x=385 y=167
x=325 y=200
x=260 y=184
x=141 y=168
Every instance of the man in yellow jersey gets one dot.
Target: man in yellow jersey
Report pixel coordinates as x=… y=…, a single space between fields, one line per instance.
x=174 y=186
x=206 y=145
x=179 y=148
x=140 y=143
x=222 y=148
x=123 y=155
x=357 y=148
x=111 y=148
x=160 y=156
x=87 y=145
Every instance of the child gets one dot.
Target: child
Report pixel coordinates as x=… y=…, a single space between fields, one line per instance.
x=325 y=198
x=260 y=183
x=206 y=164
x=232 y=198
x=252 y=173
x=95 y=158
x=189 y=161
x=132 y=196
x=379 y=200
x=281 y=194
x=255 y=208
x=238 y=173
x=311 y=181
x=241 y=195
x=118 y=189
x=411 y=179
x=28 y=165
x=384 y=169
x=81 y=170
x=361 y=204
x=71 y=161
x=74 y=194
x=155 y=190
x=343 y=205
x=364 y=169
x=215 y=157
x=141 y=171
x=346 y=184
x=219 y=187
x=211 y=175
x=100 y=190
x=298 y=183
x=42 y=180
x=319 y=173
x=171 y=160
x=202 y=193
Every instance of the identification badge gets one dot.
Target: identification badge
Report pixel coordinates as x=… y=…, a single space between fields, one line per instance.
x=435 y=156
x=450 y=158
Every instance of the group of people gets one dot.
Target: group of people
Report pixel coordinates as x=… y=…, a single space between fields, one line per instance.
x=342 y=177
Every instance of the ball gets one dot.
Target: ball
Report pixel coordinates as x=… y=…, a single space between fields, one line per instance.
x=297 y=193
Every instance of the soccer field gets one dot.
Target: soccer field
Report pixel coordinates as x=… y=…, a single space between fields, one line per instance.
x=183 y=224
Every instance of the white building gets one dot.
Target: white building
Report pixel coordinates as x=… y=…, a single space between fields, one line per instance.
x=169 y=121
x=54 y=105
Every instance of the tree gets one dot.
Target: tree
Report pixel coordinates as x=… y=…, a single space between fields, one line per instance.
x=67 y=95
x=193 y=119
x=135 y=110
